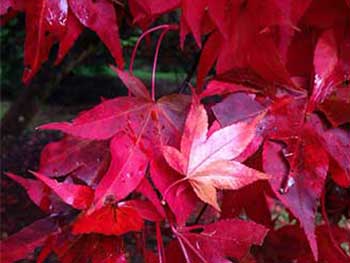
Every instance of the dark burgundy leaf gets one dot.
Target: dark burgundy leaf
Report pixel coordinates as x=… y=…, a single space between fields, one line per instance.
x=237 y=107
x=37 y=191
x=83 y=159
x=22 y=244
x=221 y=240
x=338 y=145
x=300 y=186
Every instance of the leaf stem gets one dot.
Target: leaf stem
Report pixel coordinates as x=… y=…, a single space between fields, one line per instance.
x=166 y=28
x=144 y=34
x=155 y=60
x=184 y=250
x=167 y=190
x=160 y=247
x=182 y=239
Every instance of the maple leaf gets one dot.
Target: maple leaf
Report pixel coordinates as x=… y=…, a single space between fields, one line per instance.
x=139 y=126
x=109 y=220
x=207 y=162
x=331 y=61
x=116 y=219
x=337 y=143
x=277 y=245
x=40 y=194
x=305 y=182
x=330 y=247
x=4 y=6
x=277 y=248
x=73 y=30
x=77 y=196
x=251 y=199
x=236 y=107
x=127 y=169
x=83 y=159
x=299 y=168
x=268 y=98
x=23 y=243
x=37 y=191
x=97 y=248
x=216 y=87
x=193 y=13
x=251 y=47
x=45 y=24
x=148 y=122
x=181 y=199
x=219 y=241
x=100 y=16
x=146 y=11
x=325 y=61
x=287 y=122
x=62 y=21
x=104 y=120
x=103 y=249
x=147 y=190
x=209 y=55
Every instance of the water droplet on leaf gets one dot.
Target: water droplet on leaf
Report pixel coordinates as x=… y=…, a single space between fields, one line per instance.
x=286 y=187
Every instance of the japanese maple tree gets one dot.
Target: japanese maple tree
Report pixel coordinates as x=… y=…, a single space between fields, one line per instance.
x=204 y=174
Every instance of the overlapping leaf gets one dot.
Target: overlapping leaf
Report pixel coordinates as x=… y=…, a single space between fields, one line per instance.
x=39 y=193
x=77 y=196
x=277 y=245
x=250 y=199
x=337 y=143
x=220 y=241
x=302 y=185
x=181 y=198
x=62 y=21
x=83 y=159
x=207 y=162
x=145 y=12
x=139 y=126
x=150 y=123
x=97 y=248
x=116 y=220
x=300 y=164
x=23 y=243
x=331 y=93
x=127 y=169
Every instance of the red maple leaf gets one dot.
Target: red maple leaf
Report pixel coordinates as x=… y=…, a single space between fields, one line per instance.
x=23 y=243
x=219 y=241
x=116 y=219
x=86 y=160
x=208 y=161
x=62 y=21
